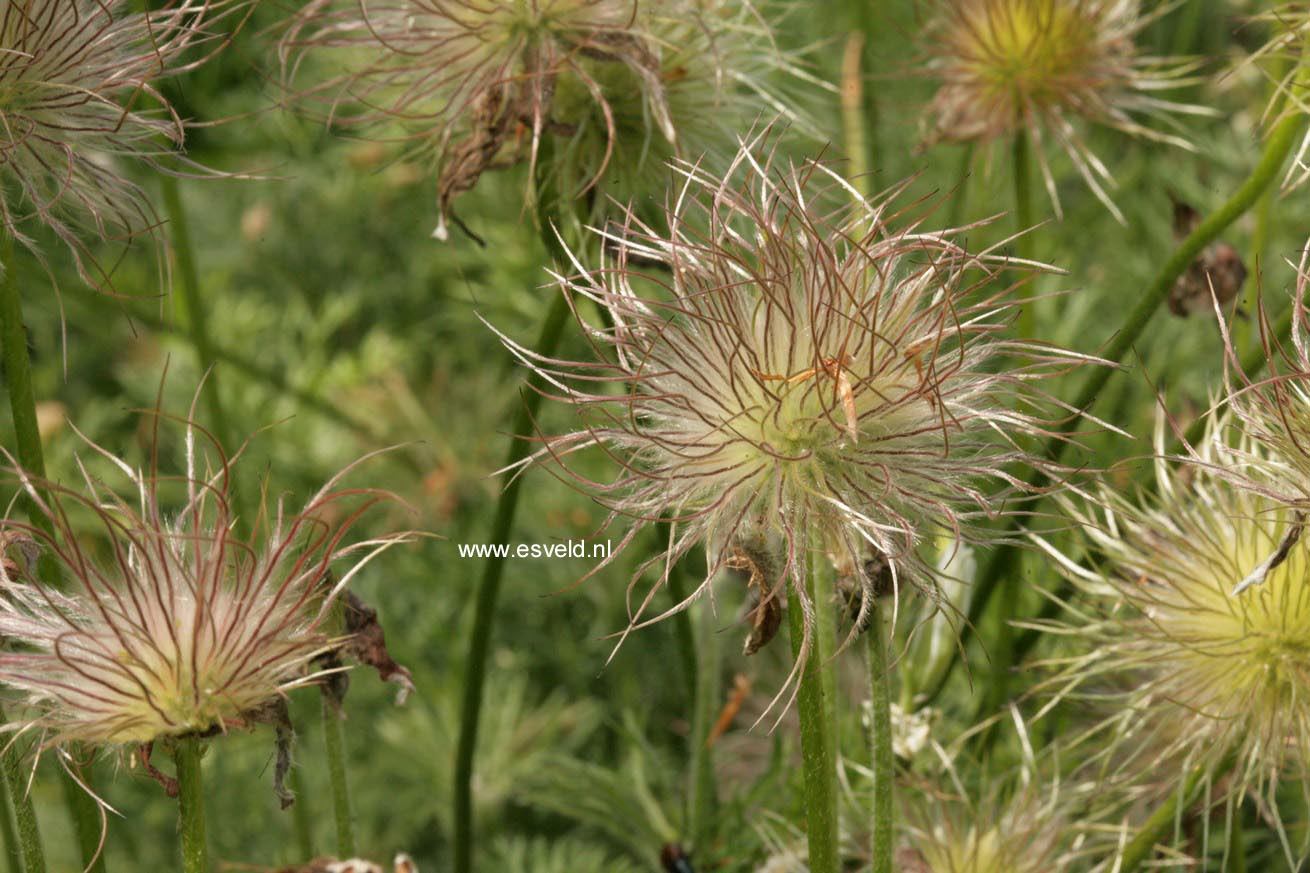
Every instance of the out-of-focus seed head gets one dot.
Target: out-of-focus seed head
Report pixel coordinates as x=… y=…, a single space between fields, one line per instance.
x=168 y=623
x=1038 y=68
x=1023 y=835
x=79 y=100
x=593 y=94
x=789 y=370
x=1190 y=671
x=1282 y=59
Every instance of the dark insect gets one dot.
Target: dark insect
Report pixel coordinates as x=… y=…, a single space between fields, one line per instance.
x=1218 y=266
x=674 y=859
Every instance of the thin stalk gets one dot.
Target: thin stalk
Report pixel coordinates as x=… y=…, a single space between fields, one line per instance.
x=13 y=851
x=29 y=834
x=852 y=113
x=191 y=805
x=27 y=442
x=197 y=316
x=1235 y=852
x=1023 y=221
x=818 y=757
x=709 y=692
x=300 y=813
x=959 y=208
x=484 y=611
x=1277 y=147
x=880 y=736
x=701 y=679
x=335 y=742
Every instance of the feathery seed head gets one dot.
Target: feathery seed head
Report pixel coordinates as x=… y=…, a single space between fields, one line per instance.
x=78 y=95
x=167 y=623
x=605 y=90
x=796 y=370
x=1195 y=671
x=1034 y=68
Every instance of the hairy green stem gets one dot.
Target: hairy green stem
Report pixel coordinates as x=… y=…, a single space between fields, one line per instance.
x=15 y=783
x=13 y=851
x=818 y=756
x=335 y=743
x=484 y=611
x=191 y=805
x=30 y=455
x=702 y=692
x=709 y=691
x=1002 y=559
x=880 y=736
x=852 y=112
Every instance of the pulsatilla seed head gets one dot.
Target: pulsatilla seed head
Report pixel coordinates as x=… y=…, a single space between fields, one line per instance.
x=166 y=622
x=80 y=99
x=791 y=371
x=1036 y=69
x=592 y=94
x=1194 y=663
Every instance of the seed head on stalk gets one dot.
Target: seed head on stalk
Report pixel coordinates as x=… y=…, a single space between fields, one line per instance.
x=1191 y=674
x=780 y=375
x=79 y=101
x=167 y=623
x=594 y=95
x=1039 y=69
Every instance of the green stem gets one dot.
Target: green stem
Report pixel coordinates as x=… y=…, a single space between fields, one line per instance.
x=22 y=402
x=335 y=743
x=489 y=592
x=1023 y=221
x=13 y=851
x=1235 y=853
x=852 y=112
x=959 y=209
x=880 y=736
x=300 y=813
x=197 y=321
x=709 y=693
x=818 y=757
x=191 y=805
x=702 y=692
x=1143 y=844
x=1277 y=147
x=29 y=833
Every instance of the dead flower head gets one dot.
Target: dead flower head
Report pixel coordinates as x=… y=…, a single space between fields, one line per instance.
x=1038 y=69
x=584 y=91
x=166 y=622
x=788 y=373
x=80 y=100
